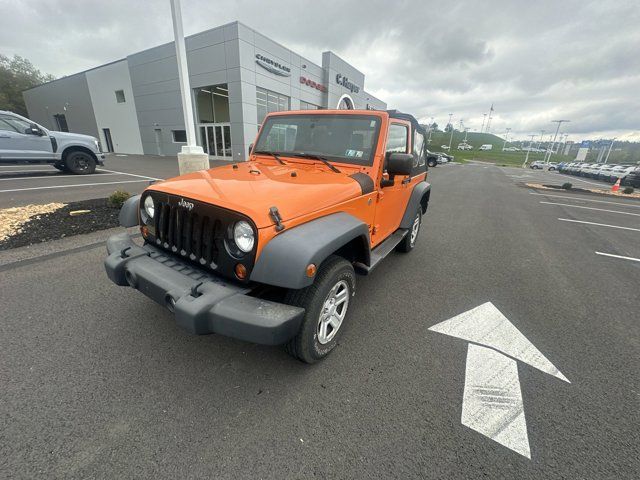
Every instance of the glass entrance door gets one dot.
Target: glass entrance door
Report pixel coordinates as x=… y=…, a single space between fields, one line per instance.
x=215 y=139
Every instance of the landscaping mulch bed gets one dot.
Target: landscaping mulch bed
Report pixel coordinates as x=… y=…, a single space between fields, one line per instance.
x=60 y=223
x=592 y=191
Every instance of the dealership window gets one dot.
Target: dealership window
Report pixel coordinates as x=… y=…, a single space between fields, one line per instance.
x=397 y=139
x=179 y=136
x=308 y=106
x=61 y=122
x=212 y=104
x=268 y=101
x=120 y=96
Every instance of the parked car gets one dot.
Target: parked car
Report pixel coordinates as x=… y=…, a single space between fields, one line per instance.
x=433 y=159
x=486 y=146
x=266 y=251
x=24 y=141
x=537 y=165
x=552 y=166
x=444 y=147
x=623 y=173
x=511 y=149
x=464 y=146
x=605 y=172
x=632 y=178
x=444 y=157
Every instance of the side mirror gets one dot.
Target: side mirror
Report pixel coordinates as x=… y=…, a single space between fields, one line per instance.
x=33 y=130
x=397 y=164
x=250 y=148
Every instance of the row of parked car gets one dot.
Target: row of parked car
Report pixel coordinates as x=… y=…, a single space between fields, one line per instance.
x=607 y=172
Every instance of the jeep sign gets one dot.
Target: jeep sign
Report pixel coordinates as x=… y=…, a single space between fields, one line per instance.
x=273 y=66
x=344 y=81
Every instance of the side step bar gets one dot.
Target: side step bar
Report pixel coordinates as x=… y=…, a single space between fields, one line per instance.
x=381 y=251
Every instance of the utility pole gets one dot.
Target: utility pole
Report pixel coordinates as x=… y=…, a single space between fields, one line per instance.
x=609 y=152
x=466 y=130
x=192 y=158
x=430 y=130
x=484 y=117
x=489 y=119
x=540 y=141
x=526 y=158
x=506 y=139
x=547 y=156
x=451 y=126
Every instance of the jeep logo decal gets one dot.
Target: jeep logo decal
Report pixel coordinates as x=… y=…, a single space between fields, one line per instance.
x=187 y=205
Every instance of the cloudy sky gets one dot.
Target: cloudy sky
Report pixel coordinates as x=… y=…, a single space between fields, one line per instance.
x=536 y=61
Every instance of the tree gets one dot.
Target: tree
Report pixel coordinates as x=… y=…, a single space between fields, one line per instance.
x=448 y=128
x=434 y=127
x=16 y=75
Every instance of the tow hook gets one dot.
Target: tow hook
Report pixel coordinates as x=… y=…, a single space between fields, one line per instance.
x=275 y=215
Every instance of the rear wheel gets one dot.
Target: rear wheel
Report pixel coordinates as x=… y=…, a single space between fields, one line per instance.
x=80 y=163
x=410 y=239
x=325 y=303
x=432 y=163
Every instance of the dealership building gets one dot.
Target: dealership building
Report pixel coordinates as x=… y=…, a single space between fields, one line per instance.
x=237 y=76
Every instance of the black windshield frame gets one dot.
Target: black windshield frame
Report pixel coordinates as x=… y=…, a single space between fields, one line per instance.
x=365 y=161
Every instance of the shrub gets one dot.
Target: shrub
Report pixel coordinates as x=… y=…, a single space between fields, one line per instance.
x=628 y=190
x=117 y=198
x=567 y=186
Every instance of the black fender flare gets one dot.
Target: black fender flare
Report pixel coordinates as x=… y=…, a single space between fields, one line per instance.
x=419 y=196
x=284 y=260
x=128 y=216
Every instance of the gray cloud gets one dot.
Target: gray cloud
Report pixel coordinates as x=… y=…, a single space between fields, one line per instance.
x=536 y=61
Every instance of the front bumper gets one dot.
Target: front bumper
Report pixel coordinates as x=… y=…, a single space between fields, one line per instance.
x=202 y=302
x=100 y=157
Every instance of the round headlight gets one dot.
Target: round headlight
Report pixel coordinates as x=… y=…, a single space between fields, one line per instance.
x=149 y=208
x=243 y=236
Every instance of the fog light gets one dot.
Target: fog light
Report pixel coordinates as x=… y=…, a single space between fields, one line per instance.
x=311 y=270
x=241 y=271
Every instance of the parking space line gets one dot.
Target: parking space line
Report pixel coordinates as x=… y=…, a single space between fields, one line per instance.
x=592 y=208
x=71 y=186
x=9 y=172
x=55 y=176
x=19 y=165
x=598 y=224
x=130 y=174
x=618 y=256
x=584 y=199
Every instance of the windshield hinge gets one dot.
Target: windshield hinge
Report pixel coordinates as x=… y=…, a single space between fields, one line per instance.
x=277 y=219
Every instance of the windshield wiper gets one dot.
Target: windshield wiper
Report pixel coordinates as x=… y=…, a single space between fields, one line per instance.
x=313 y=156
x=273 y=154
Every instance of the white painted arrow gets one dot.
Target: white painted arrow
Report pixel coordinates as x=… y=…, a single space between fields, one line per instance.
x=492 y=403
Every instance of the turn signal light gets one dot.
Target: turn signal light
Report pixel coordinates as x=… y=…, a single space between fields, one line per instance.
x=311 y=270
x=145 y=231
x=241 y=271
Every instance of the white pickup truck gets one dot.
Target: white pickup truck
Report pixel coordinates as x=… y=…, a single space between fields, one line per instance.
x=24 y=141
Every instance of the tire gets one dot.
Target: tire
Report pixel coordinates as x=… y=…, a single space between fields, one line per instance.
x=60 y=166
x=309 y=345
x=409 y=241
x=80 y=163
x=432 y=163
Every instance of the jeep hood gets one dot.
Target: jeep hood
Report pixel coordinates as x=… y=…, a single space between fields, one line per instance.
x=252 y=188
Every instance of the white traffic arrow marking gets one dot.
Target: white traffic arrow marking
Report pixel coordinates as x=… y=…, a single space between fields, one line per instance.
x=492 y=403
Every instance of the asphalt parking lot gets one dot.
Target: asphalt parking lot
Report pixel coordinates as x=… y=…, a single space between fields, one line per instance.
x=26 y=184
x=99 y=382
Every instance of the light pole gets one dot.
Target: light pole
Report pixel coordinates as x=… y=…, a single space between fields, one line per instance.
x=540 y=141
x=609 y=152
x=430 y=130
x=192 y=158
x=506 y=139
x=547 y=156
x=450 y=126
x=484 y=117
x=466 y=130
x=526 y=158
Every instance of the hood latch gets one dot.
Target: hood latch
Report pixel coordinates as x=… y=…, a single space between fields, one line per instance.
x=275 y=215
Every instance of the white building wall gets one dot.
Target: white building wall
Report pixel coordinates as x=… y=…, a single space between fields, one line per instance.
x=120 y=118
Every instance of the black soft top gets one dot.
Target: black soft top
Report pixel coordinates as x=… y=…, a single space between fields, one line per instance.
x=408 y=117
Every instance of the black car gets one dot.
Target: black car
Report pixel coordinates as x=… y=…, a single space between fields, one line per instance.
x=632 y=179
x=432 y=158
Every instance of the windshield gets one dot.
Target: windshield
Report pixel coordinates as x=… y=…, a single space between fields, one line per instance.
x=338 y=138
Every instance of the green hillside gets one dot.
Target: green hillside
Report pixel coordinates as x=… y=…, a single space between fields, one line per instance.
x=474 y=139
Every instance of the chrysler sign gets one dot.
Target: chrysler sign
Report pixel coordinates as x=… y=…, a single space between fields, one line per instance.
x=273 y=66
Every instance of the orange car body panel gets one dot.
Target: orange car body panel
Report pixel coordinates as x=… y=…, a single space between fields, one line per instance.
x=253 y=187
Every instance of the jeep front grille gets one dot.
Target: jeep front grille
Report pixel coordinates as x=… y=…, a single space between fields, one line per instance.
x=185 y=232
x=197 y=231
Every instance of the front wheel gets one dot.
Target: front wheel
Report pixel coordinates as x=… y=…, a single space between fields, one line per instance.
x=80 y=163
x=326 y=303
x=409 y=240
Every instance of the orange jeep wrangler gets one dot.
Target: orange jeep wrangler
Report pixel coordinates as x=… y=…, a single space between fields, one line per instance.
x=267 y=250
